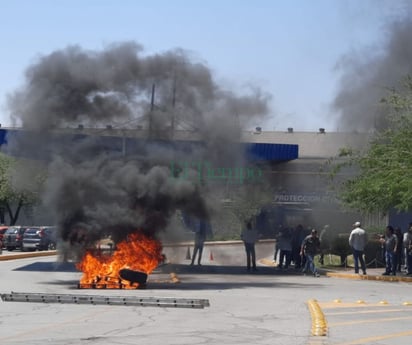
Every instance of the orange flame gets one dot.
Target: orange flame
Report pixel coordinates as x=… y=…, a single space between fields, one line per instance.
x=137 y=253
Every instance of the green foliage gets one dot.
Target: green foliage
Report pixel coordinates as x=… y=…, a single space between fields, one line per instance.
x=247 y=202
x=226 y=225
x=384 y=179
x=20 y=184
x=340 y=246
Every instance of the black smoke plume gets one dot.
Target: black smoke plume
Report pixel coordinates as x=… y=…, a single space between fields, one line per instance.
x=368 y=75
x=92 y=193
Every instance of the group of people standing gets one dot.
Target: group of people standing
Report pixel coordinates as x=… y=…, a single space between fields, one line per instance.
x=292 y=245
x=396 y=247
x=297 y=246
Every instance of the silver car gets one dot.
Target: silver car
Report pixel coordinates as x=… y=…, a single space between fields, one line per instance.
x=39 y=238
x=13 y=237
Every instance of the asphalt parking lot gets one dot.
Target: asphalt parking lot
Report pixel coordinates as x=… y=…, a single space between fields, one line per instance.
x=265 y=307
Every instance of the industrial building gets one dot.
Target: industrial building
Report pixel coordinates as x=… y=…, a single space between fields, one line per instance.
x=295 y=164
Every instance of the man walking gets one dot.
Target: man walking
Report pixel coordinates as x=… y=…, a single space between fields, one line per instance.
x=357 y=241
x=310 y=247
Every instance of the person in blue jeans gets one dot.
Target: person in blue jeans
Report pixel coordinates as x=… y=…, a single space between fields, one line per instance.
x=310 y=247
x=391 y=243
x=357 y=241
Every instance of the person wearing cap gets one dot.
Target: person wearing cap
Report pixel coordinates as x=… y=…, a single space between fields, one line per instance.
x=310 y=247
x=357 y=241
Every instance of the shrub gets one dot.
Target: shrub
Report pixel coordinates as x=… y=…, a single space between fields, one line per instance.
x=340 y=246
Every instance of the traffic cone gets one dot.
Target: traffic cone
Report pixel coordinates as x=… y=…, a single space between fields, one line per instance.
x=188 y=256
x=211 y=256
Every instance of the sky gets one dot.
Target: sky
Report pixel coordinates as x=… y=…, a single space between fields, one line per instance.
x=291 y=49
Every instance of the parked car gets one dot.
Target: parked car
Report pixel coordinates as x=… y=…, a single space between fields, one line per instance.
x=13 y=237
x=40 y=238
x=2 y=231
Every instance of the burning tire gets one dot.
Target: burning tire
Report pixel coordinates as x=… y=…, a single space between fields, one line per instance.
x=134 y=277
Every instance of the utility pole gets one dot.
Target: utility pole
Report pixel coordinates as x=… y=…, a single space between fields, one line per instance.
x=151 y=111
x=172 y=123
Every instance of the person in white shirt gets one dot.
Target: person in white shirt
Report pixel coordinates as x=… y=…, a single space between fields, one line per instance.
x=249 y=237
x=407 y=244
x=357 y=241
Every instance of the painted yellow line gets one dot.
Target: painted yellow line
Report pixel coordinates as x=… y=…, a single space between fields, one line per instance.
x=383 y=310
x=350 y=323
x=341 y=305
x=377 y=338
x=319 y=324
x=27 y=255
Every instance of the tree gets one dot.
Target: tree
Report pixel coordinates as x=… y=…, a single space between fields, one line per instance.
x=247 y=201
x=17 y=192
x=383 y=178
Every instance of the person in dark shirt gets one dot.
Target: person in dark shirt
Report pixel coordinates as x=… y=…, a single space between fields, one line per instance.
x=297 y=238
x=200 y=238
x=399 y=249
x=391 y=243
x=310 y=247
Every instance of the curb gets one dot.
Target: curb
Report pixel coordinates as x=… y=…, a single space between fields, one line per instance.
x=27 y=255
x=369 y=277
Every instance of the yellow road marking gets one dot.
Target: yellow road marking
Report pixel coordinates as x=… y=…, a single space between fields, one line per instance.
x=363 y=308
x=367 y=311
x=377 y=338
x=319 y=324
x=332 y=305
x=349 y=323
